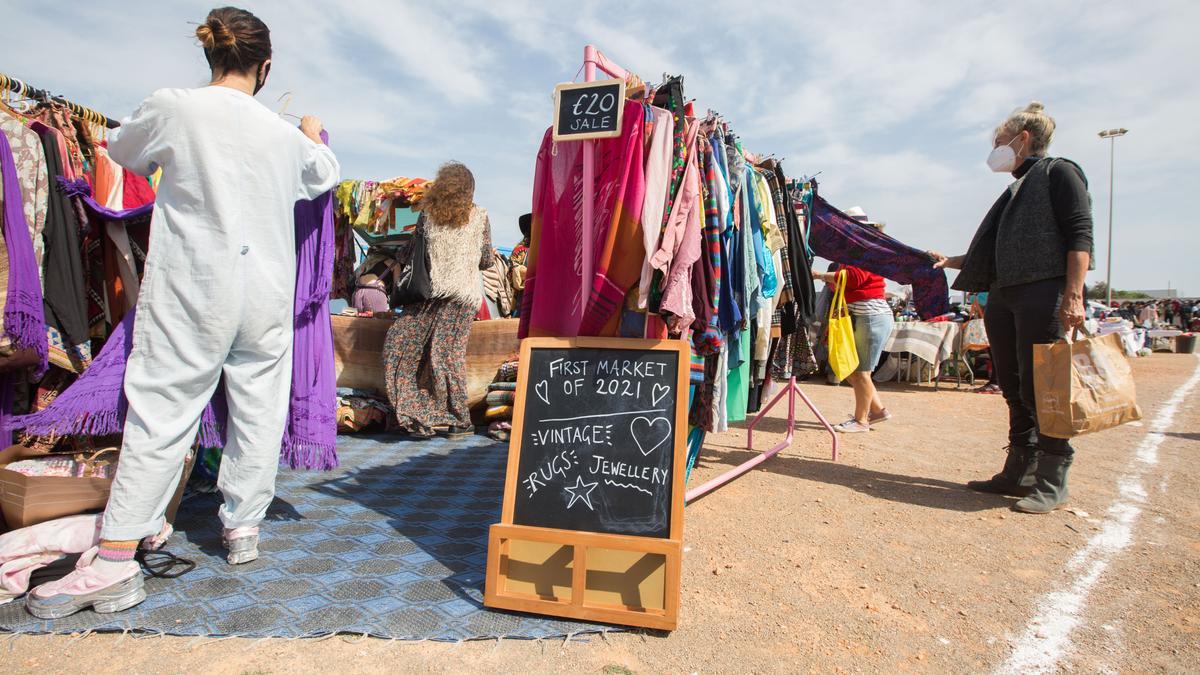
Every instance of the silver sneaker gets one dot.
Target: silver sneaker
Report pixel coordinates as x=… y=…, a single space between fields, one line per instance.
x=242 y=544
x=115 y=598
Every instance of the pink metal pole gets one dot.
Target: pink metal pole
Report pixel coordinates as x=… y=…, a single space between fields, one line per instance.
x=592 y=59
x=589 y=190
x=793 y=390
x=833 y=437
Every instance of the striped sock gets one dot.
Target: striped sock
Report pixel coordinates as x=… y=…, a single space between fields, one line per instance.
x=117 y=551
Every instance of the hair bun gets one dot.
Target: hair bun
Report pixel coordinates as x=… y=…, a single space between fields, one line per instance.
x=213 y=33
x=1036 y=107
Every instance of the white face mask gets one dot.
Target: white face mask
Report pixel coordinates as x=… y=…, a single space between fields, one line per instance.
x=1003 y=158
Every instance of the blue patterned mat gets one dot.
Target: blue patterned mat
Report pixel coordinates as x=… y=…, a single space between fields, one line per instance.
x=393 y=545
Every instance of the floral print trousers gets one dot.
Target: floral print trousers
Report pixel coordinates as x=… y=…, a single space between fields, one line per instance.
x=425 y=364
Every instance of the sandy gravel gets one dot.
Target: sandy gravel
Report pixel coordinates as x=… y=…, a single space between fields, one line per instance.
x=878 y=563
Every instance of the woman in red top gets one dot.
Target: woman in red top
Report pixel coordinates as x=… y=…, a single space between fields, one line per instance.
x=873 y=321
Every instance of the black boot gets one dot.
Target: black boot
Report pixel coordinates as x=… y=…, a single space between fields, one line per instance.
x=1050 y=491
x=1016 y=478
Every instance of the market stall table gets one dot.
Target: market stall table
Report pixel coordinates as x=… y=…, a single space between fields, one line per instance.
x=934 y=342
x=358 y=353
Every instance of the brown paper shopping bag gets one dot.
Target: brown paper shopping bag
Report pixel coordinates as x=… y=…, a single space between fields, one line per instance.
x=1083 y=386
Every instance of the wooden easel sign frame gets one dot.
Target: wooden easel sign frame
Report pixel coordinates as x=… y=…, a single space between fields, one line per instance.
x=629 y=574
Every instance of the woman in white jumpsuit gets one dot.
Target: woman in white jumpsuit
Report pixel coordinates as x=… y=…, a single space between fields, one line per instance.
x=216 y=299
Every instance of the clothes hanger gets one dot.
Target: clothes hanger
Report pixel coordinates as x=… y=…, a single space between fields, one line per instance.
x=20 y=108
x=283 y=111
x=5 y=94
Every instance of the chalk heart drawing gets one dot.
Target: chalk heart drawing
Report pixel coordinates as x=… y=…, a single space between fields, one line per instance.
x=660 y=392
x=542 y=389
x=645 y=431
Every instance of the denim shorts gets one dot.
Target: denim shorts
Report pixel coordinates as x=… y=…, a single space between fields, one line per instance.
x=871 y=332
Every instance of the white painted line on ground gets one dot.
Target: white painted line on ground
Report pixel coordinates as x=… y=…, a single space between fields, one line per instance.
x=1047 y=637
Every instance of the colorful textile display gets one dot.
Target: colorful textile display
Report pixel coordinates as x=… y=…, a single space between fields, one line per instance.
x=410 y=190
x=95 y=404
x=692 y=238
x=556 y=234
x=502 y=393
x=359 y=410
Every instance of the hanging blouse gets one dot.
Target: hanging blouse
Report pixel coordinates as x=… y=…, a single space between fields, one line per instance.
x=30 y=160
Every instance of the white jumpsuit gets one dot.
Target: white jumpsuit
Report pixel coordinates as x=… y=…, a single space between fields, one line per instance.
x=216 y=297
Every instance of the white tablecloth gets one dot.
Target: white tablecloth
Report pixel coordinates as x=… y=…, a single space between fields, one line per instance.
x=932 y=342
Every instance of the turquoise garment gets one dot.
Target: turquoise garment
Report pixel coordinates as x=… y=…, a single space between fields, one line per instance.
x=765 y=266
x=750 y=263
x=738 y=398
x=695 y=440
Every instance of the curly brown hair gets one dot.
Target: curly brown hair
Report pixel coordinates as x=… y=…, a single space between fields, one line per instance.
x=451 y=197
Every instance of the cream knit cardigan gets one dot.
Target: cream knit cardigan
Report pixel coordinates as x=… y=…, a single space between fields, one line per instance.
x=455 y=256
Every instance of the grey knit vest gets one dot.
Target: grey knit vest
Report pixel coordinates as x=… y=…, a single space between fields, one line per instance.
x=1029 y=246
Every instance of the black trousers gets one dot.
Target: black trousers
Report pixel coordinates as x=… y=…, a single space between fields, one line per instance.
x=1018 y=317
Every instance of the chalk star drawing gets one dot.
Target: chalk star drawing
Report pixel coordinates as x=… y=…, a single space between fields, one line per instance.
x=581 y=492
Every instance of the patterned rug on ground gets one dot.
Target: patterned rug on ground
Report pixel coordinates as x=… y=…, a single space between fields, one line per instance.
x=393 y=545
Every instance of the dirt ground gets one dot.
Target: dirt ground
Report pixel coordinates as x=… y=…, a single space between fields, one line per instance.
x=879 y=562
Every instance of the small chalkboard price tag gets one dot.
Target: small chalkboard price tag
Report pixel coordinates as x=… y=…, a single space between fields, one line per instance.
x=592 y=521
x=588 y=110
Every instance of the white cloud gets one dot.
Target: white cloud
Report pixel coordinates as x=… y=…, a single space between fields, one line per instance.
x=892 y=102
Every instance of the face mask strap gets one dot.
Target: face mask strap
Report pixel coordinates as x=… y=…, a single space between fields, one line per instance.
x=259 y=84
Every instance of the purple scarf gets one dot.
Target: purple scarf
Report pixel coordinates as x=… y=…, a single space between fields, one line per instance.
x=80 y=189
x=95 y=404
x=835 y=236
x=24 y=318
x=310 y=439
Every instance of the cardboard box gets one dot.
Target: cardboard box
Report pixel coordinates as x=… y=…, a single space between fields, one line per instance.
x=29 y=500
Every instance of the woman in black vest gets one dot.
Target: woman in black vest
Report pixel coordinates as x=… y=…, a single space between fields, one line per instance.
x=1032 y=252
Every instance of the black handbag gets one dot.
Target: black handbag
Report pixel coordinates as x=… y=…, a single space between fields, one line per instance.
x=415 y=285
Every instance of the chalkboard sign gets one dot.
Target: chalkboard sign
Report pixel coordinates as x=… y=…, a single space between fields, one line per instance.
x=588 y=110
x=598 y=440
x=592 y=523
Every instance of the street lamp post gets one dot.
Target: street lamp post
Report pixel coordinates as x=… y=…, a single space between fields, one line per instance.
x=1111 y=135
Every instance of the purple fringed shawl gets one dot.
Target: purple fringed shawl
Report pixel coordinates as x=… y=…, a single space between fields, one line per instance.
x=310 y=439
x=95 y=404
x=80 y=188
x=24 y=317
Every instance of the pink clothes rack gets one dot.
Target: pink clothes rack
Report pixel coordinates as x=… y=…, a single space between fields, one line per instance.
x=792 y=390
x=594 y=60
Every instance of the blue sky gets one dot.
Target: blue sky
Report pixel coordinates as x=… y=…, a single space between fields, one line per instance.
x=893 y=103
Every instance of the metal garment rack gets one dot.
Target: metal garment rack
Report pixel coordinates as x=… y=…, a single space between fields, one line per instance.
x=793 y=391
x=22 y=89
x=594 y=60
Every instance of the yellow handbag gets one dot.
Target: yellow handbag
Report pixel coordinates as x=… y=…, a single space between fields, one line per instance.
x=843 y=354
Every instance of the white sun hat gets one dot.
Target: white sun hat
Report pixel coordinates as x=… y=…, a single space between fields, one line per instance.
x=857 y=213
